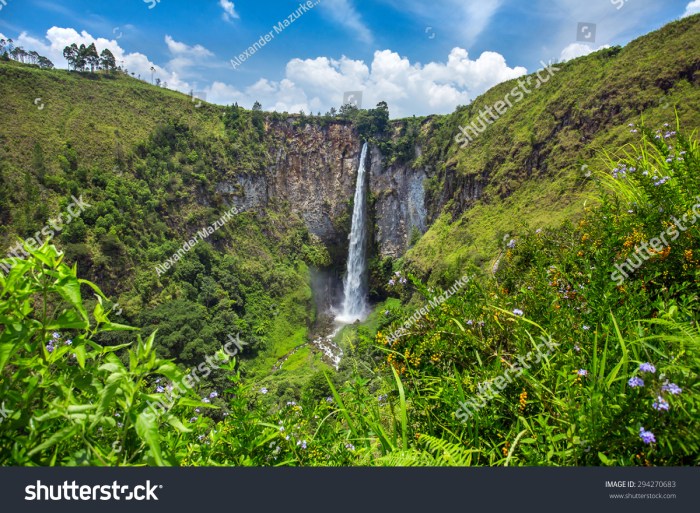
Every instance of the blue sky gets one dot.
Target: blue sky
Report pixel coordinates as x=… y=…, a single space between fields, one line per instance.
x=421 y=56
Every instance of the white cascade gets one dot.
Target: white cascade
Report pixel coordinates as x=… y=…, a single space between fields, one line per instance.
x=355 y=283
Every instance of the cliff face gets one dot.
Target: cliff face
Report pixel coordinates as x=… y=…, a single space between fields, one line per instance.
x=314 y=170
x=400 y=206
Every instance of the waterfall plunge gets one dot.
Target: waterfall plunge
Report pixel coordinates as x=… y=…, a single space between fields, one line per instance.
x=354 y=285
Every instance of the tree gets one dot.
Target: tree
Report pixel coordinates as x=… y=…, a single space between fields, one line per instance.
x=153 y=70
x=80 y=60
x=45 y=63
x=92 y=58
x=70 y=53
x=257 y=106
x=107 y=61
x=333 y=112
x=6 y=46
x=348 y=110
x=158 y=82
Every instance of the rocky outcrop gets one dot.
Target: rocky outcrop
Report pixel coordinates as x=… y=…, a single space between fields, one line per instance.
x=313 y=169
x=400 y=208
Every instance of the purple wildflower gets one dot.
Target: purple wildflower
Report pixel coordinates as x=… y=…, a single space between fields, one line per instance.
x=635 y=382
x=582 y=372
x=263 y=390
x=214 y=394
x=518 y=311
x=349 y=447
x=671 y=388
x=160 y=389
x=647 y=367
x=660 y=404
x=511 y=244
x=646 y=436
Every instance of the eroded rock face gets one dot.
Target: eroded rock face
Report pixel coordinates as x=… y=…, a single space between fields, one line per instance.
x=400 y=206
x=314 y=168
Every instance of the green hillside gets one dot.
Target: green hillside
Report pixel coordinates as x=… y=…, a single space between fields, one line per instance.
x=531 y=160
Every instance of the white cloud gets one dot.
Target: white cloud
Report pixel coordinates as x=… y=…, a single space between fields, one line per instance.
x=575 y=50
x=409 y=88
x=692 y=8
x=229 y=10
x=185 y=56
x=314 y=84
x=463 y=19
x=344 y=13
x=479 y=16
x=178 y=48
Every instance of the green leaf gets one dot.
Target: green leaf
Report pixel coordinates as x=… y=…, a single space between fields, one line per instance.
x=57 y=437
x=605 y=460
x=177 y=424
x=6 y=351
x=79 y=352
x=108 y=393
x=69 y=288
x=147 y=429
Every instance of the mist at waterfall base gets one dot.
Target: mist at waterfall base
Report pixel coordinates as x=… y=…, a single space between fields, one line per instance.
x=354 y=305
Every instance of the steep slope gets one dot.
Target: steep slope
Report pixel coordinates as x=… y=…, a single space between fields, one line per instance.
x=528 y=167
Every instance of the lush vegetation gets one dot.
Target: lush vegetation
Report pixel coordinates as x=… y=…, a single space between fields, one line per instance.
x=619 y=384
x=526 y=210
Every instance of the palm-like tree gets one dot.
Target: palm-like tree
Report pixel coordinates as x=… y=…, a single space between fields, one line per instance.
x=153 y=70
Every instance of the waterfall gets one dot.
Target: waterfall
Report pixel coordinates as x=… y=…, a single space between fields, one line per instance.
x=354 y=285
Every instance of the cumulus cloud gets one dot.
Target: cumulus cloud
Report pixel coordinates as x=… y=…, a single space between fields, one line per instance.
x=575 y=50
x=318 y=84
x=692 y=8
x=229 y=10
x=315 y=84
x=344 y=13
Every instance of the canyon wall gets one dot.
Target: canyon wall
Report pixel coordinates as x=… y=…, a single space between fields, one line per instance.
x=313 y=169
